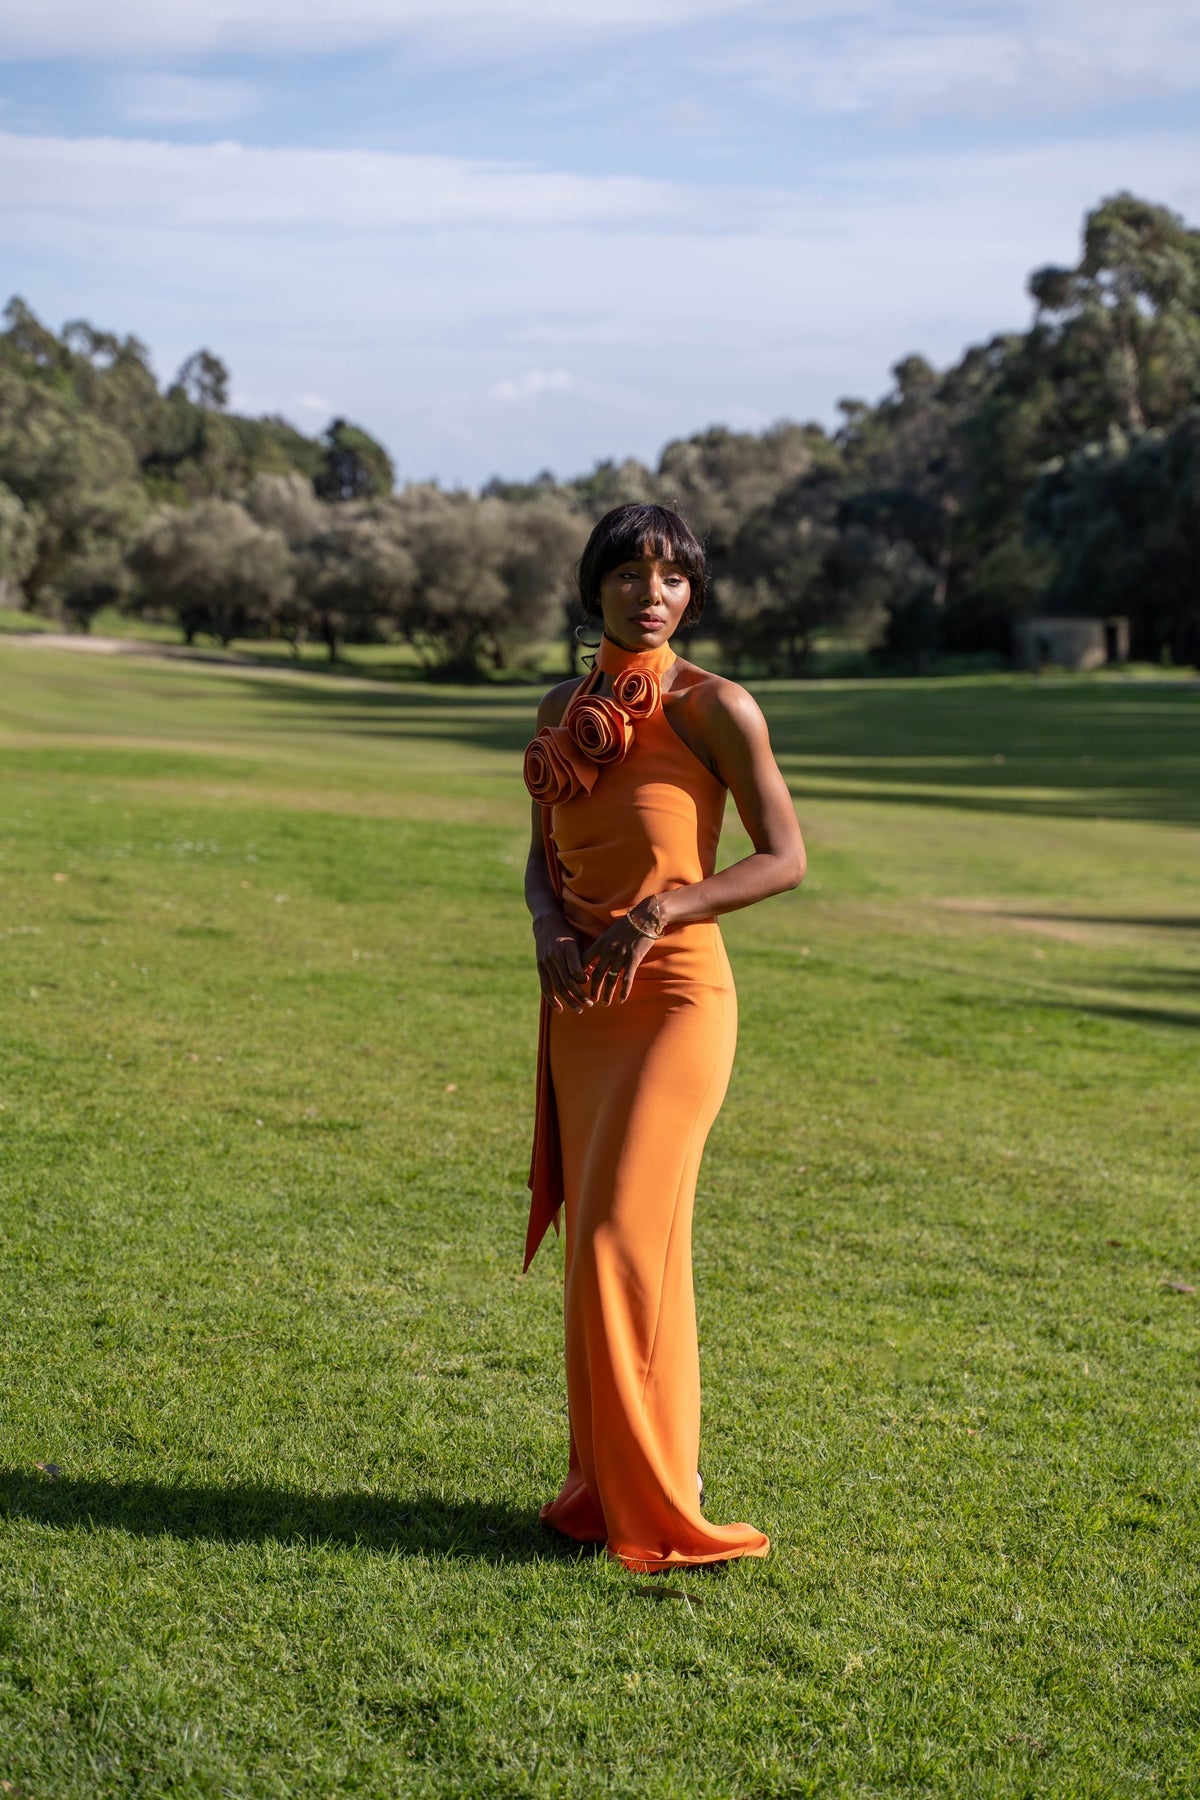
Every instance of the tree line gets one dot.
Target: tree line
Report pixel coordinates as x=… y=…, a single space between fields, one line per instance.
x=1055 y=469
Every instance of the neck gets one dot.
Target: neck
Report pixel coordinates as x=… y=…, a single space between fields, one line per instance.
x=614 y=657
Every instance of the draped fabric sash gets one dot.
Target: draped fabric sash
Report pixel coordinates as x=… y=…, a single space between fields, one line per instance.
x=545 y=1164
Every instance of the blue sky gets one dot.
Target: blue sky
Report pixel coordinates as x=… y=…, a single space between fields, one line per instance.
x=524 y=234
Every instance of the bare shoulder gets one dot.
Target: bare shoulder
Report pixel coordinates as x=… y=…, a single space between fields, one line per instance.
x=554 y=703
x=721 y=708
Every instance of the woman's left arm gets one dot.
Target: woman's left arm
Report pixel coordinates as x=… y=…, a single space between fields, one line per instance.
x=739 y=746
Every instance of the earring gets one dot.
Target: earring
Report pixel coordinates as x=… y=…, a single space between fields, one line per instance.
x=587 y=651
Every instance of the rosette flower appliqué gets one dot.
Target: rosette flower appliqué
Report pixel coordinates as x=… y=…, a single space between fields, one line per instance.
x=637 y=692
x=555 y=769
x=602 y=729
x=564 y=760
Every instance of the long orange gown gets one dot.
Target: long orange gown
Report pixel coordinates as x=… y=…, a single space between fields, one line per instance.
x=627 y=1094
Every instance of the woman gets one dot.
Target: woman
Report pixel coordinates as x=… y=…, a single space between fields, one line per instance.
x=629 y=773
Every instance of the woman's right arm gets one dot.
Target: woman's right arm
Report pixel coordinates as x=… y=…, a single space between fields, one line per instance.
x=559 y=964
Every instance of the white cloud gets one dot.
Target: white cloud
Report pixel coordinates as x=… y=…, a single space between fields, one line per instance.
x=314 y=403
x=1024 y=57
x=532 y=385
x=231 y=185
x=962 y=57
x=456 y=345
x=158 y=97
x=191 y=27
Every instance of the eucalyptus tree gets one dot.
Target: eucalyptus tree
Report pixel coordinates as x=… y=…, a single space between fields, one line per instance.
x=203 y=379
x=18 y=545
x=355 y=465
x=1123 y=524
x=76 y=478
x=1122 y=328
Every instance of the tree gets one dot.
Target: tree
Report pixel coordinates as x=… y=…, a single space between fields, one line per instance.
x=111 y=378
x=1126 y=318
x=355 y=575
x=215 y=567
x=1123 y=523
x=356 y=467
x=18 y=544
x=26 y=344
x=204 y=380
x=614 y=484
x=718 y=476
x=788 y=586
x=488 y=576
x=77 y=480
x=288 y=503
x=545 y=540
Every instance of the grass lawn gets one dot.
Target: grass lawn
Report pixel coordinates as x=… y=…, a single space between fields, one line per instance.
x=278 y=1407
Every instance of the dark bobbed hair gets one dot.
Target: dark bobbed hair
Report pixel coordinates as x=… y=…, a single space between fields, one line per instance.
x=634 y=530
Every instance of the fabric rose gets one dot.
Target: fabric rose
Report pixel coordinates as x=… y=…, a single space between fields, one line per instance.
x=554 y=770
x=638 y=692
x=601 y=729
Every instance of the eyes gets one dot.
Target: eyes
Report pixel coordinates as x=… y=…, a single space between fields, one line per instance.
x=670 y=578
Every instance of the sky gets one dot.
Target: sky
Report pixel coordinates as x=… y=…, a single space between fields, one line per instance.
x=515 y=235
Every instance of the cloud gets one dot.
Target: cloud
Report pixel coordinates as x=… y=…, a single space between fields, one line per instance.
x=231 y=185
x=159 y=97
x=927 y=57
x=481 y=319
x=1025 y=57
x=196 y=27
x=532 y=385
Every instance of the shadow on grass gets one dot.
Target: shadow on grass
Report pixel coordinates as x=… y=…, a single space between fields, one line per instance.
x=1127 y=1015
x=1085 y=751
x=1155 y=921
x=242 y=1513
x=1155 y=980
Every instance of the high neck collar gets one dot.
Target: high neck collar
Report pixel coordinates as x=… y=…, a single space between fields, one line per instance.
x=615 y=659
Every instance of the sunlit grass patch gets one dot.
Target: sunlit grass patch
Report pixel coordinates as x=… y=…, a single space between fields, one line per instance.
x=279 y=1408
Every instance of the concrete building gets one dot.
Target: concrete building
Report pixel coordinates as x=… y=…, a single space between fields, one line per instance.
x=1045 y=642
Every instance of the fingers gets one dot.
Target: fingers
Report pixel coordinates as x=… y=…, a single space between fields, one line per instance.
x=561 y=974
x=572 y=970
x=572 y=982
x=603 y=974
x=562 y=983
x=548 y=994
x=610 y=984
x=607 y=978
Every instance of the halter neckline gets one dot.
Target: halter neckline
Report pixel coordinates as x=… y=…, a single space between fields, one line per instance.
x=615 y=659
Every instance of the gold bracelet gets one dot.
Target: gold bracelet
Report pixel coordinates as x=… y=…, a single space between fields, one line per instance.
x=651 y=931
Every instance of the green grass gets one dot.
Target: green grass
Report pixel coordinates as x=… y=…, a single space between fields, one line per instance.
x=380 y=662
x=266 y=1037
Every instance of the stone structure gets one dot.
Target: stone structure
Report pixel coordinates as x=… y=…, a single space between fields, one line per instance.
x=1045 y=642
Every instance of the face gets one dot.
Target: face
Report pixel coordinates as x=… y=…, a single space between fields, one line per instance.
x=643 y=601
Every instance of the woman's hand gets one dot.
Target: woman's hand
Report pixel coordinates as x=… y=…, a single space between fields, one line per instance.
x=613 y=960
x=559 y=964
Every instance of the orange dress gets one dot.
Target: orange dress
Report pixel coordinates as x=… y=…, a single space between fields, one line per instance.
x=626 y=1096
